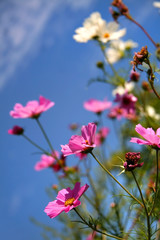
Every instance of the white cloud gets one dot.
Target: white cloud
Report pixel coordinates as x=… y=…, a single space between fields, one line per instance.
x=22 y=23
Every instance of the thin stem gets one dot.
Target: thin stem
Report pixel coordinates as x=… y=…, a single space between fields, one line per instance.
x=146 y=211
x=157 y=178
x=93 y=227
x=116 y=180
x=142 y=28
x=151 y=78
x=44 y=134
x=133 y=224
x=36 y=145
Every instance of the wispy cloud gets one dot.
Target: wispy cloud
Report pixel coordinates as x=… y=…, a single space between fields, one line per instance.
x=22 y=23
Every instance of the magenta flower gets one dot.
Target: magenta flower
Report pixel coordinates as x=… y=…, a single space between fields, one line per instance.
x=16 y=130
x=97 y=106
x=151 y=137
x=46 y=161
x=33 y=109
x=67 y=199
x=101 y=135
x=81 y=144
x=126 y=101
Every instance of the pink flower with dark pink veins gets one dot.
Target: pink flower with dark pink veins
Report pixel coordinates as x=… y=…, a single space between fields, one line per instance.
x=33 y=109
x=46 y=161
x=151 y=137
x=67 y=199
x=81 y=144
x=97 y=106
x=126 y=101
x=101 y=135
x=16 y=130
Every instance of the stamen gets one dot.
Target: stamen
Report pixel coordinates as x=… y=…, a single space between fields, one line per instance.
x=87 y=142
x=69 y=201
x=106 y=35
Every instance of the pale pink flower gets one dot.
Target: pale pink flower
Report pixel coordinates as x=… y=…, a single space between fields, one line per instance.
x=16 y=130
x=101 y=135
x=46 y=161
x=81 y=144
x=151 y=137
x=33 y=109
x=117 y=112
x=67 y=199
x=97 y=106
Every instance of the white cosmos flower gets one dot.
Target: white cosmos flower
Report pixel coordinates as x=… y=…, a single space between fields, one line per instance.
x=152 y=113
x=96 y=27
x=117 y=48
x=156 y=4
x=128 y=87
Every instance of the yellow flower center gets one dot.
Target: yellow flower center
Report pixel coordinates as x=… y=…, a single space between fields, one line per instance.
x=69 y=201
x=106 y=35
x=87 y=142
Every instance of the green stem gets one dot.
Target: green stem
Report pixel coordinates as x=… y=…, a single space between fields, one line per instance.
x=151 y=78
x=116 y=180
x=44 y=134
x=157 y=179
x=93 y=227
x=36 y=145
x=146 y=211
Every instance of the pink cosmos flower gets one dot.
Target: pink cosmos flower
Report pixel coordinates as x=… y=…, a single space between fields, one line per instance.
x=97 y=106
x=101 y=135
x=81 y=144
x=151 y=137
x=33 y=109
x=46 y=161
x=16 y=130
x=117 y=112
x=67 y=199
x=91 y=236
x=126 y=101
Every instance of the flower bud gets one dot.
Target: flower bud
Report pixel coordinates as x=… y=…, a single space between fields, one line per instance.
x=145 y=86
x=134 y=76
x=131 y=162
x=16 y=130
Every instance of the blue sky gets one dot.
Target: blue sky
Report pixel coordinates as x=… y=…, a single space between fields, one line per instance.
x=40 y=57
